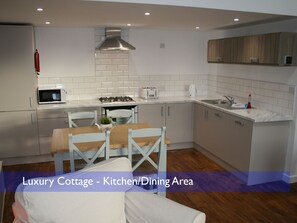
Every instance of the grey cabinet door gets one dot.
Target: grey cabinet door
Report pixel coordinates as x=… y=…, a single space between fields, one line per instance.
x=18 y=80
x=177 y=117
x=18 y=134
x=179 y=122
x=154 y=114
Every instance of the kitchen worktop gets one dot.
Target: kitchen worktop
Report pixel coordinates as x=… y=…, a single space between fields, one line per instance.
x=254 y=115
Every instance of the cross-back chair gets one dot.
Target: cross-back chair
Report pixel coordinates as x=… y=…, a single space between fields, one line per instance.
x=75 y=117
x=121 y=116
x=98 y=141
x=155 y=143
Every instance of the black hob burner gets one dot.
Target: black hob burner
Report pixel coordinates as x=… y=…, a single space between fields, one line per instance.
x=116 y=99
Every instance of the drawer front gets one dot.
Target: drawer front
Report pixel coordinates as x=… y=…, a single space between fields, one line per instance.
x=46 y=126
x=63 y=112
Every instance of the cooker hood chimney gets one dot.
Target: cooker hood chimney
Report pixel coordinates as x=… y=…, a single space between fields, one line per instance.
x=113 y=40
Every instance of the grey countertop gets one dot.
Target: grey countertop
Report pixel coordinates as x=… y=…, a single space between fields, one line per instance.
x=254 y=115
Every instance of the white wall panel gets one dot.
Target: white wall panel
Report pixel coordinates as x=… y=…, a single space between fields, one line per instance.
x=66 y=51
x=183 y=52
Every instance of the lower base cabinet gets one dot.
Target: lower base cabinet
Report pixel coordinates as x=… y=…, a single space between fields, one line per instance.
x=18 y=134
x=50 y=119
x=177 y=117
x=258 y=150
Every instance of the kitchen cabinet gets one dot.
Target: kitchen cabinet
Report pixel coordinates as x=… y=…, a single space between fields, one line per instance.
x=241 y=144
x=177 y=117
x=219 y=51
x=277 y=49
x=18 y=134
x=50 y=119
x=18 y=78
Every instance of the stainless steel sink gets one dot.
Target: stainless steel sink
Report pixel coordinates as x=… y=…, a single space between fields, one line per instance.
x=216 y=101
x=221 y=103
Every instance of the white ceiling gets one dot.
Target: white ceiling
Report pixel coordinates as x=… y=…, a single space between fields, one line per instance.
x=75 y=13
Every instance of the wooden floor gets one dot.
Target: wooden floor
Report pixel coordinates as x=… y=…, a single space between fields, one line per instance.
x=225 y=207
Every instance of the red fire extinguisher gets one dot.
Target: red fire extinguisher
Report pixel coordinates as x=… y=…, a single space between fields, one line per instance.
x=37 y=63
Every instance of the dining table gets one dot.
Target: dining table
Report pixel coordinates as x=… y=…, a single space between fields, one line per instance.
x=118 y=143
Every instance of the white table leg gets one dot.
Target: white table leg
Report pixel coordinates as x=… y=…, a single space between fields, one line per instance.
x=59 y=168
x=162 y=170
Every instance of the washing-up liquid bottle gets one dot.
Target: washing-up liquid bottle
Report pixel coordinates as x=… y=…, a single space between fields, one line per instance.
x=249 y=105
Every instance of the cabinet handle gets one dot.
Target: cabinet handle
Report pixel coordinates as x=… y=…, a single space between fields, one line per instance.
x=218 y=115
x=239 y=123
x=168 y=111
x=30 y=101
x=254 y=60
x=32 y=119
x=162 y=111
x=219 y=59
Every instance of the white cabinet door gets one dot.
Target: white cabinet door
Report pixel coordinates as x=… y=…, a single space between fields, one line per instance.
x=179 y=122
x=18 y=134
x=18 y=79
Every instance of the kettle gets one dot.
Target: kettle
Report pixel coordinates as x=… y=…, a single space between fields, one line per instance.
x=192 y=90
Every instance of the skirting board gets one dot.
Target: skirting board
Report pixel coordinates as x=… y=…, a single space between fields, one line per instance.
x=289 y=179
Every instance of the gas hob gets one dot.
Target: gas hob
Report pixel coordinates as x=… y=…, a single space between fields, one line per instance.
x=116 y=99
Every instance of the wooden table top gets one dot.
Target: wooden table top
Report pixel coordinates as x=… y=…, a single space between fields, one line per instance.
x=118 y=137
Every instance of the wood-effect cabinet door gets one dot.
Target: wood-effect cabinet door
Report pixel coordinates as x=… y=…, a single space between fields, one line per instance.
x=179 y=122
x=269 y=48
x=18 y=134
x=250 y=49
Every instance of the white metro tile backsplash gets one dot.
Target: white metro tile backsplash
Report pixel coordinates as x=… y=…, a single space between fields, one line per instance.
x=265 y=95
x=112 y=78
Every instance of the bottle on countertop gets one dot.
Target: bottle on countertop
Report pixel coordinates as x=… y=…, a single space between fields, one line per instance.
x=249 y=104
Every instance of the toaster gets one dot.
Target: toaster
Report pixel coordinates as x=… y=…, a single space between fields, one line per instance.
x=149 y=93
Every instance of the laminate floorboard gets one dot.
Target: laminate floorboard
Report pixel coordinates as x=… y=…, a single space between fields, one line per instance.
x=220 y=207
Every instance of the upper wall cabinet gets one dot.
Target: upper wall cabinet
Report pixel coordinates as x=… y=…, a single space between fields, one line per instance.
x=279 y=49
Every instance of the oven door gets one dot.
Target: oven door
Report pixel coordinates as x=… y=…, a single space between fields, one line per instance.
x=120 y=120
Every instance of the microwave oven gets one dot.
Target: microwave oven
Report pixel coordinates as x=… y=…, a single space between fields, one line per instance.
x=51 y=94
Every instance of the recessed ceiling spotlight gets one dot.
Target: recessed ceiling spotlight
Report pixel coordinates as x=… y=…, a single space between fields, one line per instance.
x=129 y=24
x=197 y=27
x=147 y=13
x=39 y=9
x=47 y=22
x=236 y=19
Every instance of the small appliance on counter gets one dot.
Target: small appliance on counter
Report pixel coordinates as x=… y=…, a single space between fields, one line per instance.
x=192 y=90
x=51 y=94
x=149 y=93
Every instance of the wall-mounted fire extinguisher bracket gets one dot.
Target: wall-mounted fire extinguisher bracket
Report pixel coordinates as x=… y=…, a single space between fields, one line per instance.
x=37 y=62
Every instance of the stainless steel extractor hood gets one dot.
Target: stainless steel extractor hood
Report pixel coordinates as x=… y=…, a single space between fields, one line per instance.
x=113 y=41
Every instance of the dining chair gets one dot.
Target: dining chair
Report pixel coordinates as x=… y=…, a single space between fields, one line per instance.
x=74 y=117
x=155 y=142
x=99 y=141
x=121 y=116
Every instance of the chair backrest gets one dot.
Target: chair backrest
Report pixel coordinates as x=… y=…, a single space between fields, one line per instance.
x=73 y=117
x=152 y=140
x=98 y=141
x=121 y=116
